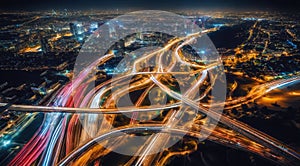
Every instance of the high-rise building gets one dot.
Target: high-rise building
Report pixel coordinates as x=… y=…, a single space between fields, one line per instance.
x=45 y=45
x=93 y=27
x=72 y=28
x=77 y=30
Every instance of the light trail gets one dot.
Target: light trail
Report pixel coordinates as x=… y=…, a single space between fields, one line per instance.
x=44 y=147
x=119 y=110
x=244 y=144
x=275 y=83
x=235 y=125
x=159 y=141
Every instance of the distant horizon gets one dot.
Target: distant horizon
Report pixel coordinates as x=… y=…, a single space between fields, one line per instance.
x=34 y=5
x=200 y=9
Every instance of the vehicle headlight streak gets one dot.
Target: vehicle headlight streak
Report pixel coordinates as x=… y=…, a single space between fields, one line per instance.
x=50 y=136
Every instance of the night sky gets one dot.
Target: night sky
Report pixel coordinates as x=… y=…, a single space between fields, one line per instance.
x=148 y=4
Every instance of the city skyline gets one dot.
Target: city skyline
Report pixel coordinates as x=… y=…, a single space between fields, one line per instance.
x=285 y=5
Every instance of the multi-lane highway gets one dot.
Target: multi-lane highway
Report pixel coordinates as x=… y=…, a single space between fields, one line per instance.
x=79 y=126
